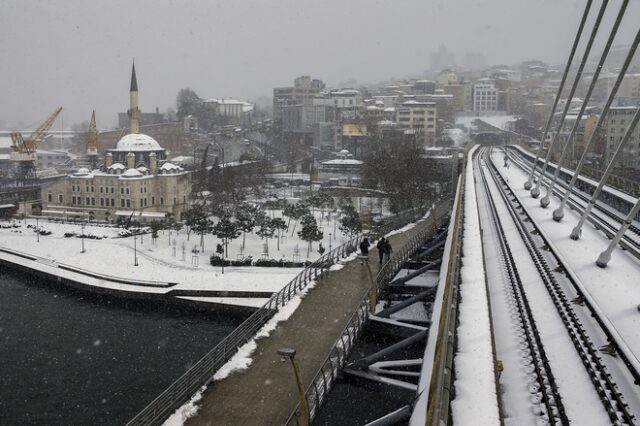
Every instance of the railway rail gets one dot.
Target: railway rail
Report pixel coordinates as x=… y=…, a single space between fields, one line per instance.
x=604 y=385
x=602 y=218
x=543 y=386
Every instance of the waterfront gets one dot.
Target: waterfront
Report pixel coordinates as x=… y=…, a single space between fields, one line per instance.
x=72 y=358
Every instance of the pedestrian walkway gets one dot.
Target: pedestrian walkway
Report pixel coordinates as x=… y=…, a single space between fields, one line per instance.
x=266 y=393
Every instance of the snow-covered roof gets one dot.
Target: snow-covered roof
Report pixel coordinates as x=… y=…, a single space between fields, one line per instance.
x=82 y=172
x=343 y=161
x=170 y=167
x=136 y=142
x=132 y=173
x=117 y=166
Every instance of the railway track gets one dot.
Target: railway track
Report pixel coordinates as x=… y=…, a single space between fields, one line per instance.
x=542 y=385
x=602 y=218
x=605 y=387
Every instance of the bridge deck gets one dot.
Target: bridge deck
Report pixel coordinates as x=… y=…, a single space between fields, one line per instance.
x=265 y=393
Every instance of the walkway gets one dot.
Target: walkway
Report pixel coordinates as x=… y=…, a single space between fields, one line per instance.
x=266 y=393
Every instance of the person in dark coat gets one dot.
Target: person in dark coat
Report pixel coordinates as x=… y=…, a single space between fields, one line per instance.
x=364 y=246
x=381 y=244
x=387 y=250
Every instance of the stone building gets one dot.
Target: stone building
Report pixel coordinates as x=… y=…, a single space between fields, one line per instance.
x=135 y=181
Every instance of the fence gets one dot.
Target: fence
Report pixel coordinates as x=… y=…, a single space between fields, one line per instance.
x=318 y=391
x=324 y=379
x=390 y=269
x=180 y=391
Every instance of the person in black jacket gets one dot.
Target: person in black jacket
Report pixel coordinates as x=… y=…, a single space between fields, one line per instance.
x=381 y=244
x=364 y=246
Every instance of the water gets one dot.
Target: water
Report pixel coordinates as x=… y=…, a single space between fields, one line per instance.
x=73 y=358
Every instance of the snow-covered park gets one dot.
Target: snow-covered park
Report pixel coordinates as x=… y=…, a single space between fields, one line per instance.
x=174 y=256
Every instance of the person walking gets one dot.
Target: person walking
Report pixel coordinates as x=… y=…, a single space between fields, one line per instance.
x=381 y=247
x=364 y=247
x=387 y=250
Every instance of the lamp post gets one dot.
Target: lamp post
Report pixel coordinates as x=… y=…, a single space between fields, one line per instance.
x=135 y=239
x=329 y=242
x=37 y=230
x=303 y=419
x=82 y=237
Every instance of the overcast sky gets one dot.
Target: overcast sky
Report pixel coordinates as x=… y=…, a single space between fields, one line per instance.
x=77 y=53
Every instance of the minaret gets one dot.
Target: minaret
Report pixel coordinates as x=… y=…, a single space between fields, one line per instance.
x=91 y=142
x=134 y=112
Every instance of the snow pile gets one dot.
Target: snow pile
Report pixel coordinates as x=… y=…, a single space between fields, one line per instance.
x=476 y=402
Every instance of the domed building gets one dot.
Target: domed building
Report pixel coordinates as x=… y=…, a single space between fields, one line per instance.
x=135 y=180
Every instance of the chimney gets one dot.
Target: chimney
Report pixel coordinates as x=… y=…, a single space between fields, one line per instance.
x=153 y=163
x=131 y=160
x=108 y=159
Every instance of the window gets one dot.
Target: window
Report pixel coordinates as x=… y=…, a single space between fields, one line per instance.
x=121 y=202
x=101 y=202
x=122 y=190
x=127 y=191
x=49 y=197
x=73 y=200
x=87 y=201
x=112 y=189
x=128 y=203
x=113 y=202
x=153 y=201
x=162 y=201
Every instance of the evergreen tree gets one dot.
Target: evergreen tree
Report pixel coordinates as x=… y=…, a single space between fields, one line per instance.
x=227 y=230
x=310 y=231
x=350 y=223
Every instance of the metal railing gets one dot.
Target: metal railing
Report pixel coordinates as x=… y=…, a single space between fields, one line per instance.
x=202 y=372
x=390 y=269
x=180 y=391
x=441 y=385
x=318 y=391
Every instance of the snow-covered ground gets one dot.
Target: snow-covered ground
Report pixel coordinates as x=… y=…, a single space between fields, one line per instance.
x=164 y=261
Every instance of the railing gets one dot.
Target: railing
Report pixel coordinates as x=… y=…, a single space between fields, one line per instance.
x=202 y=372
x=441 y=386
x=391 y=268
x=180 y=391
x=318 y=391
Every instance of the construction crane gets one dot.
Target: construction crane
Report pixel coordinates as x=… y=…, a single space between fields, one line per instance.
x=24 y=150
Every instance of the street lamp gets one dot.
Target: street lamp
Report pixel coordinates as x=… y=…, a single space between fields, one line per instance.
x=303 y=419
x=82 y=237
x=37 y=230
x=135 y=239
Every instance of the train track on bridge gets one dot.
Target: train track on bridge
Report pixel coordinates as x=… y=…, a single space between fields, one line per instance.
x=602 y=218
x=543 y=386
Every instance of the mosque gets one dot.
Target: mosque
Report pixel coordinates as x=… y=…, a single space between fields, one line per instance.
x=134 y=180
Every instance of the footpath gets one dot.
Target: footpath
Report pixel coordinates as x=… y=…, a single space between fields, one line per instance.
x=266 y=393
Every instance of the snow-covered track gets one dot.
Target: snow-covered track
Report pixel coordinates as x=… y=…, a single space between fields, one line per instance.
x=542 y=386
x=611 y=398
x=601 y=217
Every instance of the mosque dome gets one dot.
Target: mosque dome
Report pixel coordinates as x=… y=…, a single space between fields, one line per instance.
x=137 y=142
x=132 y=173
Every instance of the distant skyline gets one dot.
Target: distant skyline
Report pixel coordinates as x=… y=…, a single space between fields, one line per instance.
x=78 y=54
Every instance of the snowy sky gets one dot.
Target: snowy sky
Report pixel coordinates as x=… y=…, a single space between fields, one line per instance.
x=78 y=53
